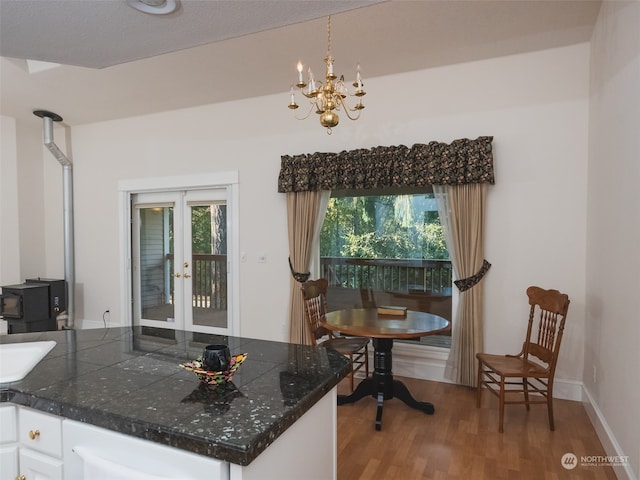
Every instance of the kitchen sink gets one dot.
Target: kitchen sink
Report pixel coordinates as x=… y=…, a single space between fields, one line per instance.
x=18 y=359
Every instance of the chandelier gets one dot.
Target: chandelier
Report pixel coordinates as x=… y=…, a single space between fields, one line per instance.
x=331 y=96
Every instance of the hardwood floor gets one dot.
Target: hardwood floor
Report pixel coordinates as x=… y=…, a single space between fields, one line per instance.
x=461 y=441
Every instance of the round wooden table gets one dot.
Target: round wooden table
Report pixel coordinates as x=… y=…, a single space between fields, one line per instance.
x=366 y=322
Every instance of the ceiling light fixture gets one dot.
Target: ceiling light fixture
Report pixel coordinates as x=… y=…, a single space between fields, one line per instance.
x=155 y=7
x=331 y=96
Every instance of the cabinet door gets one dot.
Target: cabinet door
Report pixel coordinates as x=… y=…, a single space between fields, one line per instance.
x=8 y=462
x=7 y=424
x=34 y=465
x=40 y=431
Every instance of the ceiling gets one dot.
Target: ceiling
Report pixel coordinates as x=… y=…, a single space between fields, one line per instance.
x=118 y=62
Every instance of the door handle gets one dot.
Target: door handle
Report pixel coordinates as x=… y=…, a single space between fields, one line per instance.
x=186 y=275
x=177 y=275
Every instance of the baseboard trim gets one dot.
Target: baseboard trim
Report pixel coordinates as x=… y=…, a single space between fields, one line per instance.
x=419 y=361
x=606 y=436
x=567 y=389
x=427 y=363
x=92 y=324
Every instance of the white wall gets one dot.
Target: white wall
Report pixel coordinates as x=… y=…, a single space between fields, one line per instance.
x=535 y=105
x=21 y=201
x=31 y=194
x=9 y=233
x=612 y=354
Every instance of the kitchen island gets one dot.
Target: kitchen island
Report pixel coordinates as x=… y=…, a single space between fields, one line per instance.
x=279 y=409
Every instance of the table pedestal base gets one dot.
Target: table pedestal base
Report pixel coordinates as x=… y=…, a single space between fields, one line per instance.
x=382 y=386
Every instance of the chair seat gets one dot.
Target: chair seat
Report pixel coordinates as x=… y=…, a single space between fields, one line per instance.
x=346 y=345
x=511 y=366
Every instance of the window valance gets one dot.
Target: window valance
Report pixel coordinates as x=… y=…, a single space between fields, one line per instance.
x=460 y=162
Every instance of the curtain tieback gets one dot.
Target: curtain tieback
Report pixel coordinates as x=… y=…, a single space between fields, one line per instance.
x=300 y=277
x=466 y=283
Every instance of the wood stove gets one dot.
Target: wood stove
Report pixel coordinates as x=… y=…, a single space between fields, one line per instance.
x=33 y=306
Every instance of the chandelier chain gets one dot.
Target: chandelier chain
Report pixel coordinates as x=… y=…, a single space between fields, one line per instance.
x=329 y=36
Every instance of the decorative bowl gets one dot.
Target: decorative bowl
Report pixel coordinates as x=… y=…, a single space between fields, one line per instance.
x=215 y=378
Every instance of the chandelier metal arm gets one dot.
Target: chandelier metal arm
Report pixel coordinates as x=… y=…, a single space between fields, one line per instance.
x=312 y=106
x=348 y=109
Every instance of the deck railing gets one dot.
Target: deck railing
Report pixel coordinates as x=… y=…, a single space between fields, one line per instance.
x=421 y=285
x=208 y=280
x=395 y=275
x=209 y=276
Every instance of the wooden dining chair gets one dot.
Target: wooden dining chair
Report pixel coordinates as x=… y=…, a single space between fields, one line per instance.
x=527 y=377
x=314 y=293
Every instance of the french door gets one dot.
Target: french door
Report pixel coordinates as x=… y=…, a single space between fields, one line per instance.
x=179 y=260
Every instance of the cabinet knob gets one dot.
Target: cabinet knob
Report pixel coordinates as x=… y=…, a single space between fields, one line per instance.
x=33 y=434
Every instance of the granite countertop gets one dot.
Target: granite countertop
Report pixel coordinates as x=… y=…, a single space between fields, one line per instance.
x=128 y=380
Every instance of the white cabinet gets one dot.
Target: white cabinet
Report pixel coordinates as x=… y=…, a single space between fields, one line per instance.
x=8 y=462
x=30 y=444
x=90 y=451
x=8 y=442
x=7 y=423
x=40 y=445
x=40 y=431
x=36 y=466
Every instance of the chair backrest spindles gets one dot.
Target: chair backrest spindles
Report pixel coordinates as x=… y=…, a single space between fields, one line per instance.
x=549 y=309
x=314 y=294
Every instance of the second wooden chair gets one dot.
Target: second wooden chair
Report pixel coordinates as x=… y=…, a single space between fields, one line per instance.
x=314 y=293
x=527 y=377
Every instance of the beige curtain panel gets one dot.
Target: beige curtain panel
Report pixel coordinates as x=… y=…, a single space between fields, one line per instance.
x=302 y=211
x=465 y=207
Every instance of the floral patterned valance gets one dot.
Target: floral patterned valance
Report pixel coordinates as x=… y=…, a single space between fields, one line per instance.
x=462 y=161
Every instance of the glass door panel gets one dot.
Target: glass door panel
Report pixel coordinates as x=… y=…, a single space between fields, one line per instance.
x=156 y=264
x=209 y=265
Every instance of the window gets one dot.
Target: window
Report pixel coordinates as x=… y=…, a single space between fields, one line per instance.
x=387 y=248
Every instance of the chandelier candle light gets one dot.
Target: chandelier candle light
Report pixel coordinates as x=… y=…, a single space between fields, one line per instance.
x=328 y=97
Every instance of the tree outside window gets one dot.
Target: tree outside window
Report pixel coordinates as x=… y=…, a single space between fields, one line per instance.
x=386 y=249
